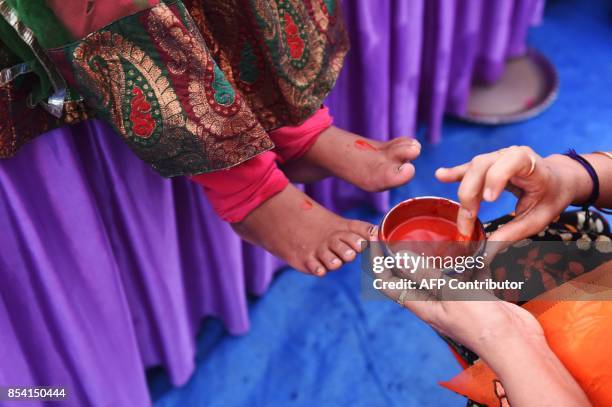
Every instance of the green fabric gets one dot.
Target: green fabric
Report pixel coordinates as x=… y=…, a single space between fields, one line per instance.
x=18 y=48
x=48 y=31
x=12 y=45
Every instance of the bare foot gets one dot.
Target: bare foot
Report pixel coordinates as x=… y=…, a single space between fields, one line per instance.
x=310 y=238
x=369 y=164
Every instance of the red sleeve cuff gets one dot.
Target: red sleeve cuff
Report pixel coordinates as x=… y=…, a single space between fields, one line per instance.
x=237 y=191
x=294 y=141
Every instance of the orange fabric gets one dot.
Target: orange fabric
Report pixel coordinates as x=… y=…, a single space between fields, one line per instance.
x=459 y=359
x=577 y=321
x=82 y=17
x=476 y=383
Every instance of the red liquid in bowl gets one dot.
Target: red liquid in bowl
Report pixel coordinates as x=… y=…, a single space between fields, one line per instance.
x=428 y=225
x=425 y=229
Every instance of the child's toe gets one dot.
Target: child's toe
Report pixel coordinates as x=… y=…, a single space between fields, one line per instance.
x=404 y=149
x=355 y=241
x=363 y=229
x=329 y=259
x=315 y=267
x=343 y=251
x=396 y=175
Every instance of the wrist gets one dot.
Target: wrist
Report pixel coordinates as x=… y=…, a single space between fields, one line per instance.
x=573 y=178
x=510 y=338
x=502 y=351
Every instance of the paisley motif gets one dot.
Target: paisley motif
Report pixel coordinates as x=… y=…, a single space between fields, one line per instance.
x=109 y=68
x=330 y=7
x=194 y=89
x=171 y=46
x=223 y=91
x=298 y=45
x=217 y=108
x=323 y=14
x=293 y=38
x=179 y=114
x=140 y=115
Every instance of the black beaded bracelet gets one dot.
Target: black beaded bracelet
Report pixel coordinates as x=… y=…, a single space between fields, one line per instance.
x=571 y=153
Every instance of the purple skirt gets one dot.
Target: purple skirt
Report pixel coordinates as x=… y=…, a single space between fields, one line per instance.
x=106 y=268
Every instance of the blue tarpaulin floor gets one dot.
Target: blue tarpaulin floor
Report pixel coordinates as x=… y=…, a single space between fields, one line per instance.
x=317 y=342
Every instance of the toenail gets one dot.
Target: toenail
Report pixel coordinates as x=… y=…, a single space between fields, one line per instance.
x=319 y=271
x=350 y=253
x=336 y=262
x=402 y=167
x=361 y=243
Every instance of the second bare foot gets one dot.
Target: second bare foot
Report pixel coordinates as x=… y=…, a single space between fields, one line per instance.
x=369 y=164
x=307 y=236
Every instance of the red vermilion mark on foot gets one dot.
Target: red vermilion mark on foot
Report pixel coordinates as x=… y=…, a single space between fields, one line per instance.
x=364 y=145
x=306 y=205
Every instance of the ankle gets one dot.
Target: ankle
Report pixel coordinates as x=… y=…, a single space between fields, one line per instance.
x=293 y=142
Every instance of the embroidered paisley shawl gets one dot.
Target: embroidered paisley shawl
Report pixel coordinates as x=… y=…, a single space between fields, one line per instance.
x=195 y=87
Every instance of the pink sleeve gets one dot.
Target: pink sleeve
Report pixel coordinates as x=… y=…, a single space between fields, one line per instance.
x=235 y=192
x=293 y=141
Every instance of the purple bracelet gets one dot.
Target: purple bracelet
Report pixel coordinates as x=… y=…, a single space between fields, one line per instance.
x=571 y=153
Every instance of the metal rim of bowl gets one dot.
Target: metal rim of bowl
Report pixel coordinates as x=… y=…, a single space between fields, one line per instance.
x=479 y=250
x=420 y=198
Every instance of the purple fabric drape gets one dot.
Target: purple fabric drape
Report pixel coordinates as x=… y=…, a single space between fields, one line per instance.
x=106 y=268
x=412 y=61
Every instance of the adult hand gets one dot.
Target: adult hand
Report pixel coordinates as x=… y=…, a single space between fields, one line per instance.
x=544 y=188
x=476 y=318
x=507 y=337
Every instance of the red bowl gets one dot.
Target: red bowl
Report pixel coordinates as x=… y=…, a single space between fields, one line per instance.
x=433 y=208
